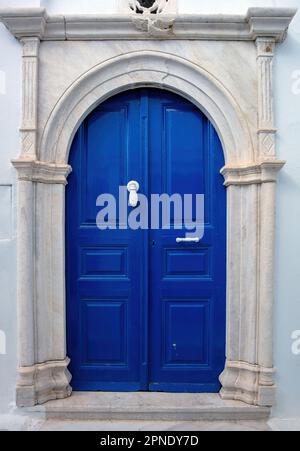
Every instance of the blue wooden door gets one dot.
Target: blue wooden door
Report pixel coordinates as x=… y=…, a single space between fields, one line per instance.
x=143 y=311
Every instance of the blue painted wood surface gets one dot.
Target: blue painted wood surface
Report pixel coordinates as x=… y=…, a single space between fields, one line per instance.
x=144 y=312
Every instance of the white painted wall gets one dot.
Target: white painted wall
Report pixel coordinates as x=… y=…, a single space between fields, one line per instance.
x=80 y=6
x=287 y=63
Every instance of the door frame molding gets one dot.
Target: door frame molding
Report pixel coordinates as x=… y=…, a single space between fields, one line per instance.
x=250 y=177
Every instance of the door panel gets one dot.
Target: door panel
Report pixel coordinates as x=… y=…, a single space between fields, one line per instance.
x=104 y=276
x=187 y=281
x=144 y=312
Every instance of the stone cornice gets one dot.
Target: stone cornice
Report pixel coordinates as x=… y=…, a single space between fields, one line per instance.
x=25 y=22
x=259 y=22
x=264 y=172
x=41 y=172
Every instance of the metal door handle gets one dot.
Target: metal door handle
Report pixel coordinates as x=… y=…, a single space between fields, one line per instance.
x=133 y=188
x=187 y=240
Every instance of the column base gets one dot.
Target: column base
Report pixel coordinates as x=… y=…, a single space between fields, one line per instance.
x=43 y=382
x=248 y=383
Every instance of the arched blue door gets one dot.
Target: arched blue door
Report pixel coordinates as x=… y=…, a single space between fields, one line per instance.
x=145 y=312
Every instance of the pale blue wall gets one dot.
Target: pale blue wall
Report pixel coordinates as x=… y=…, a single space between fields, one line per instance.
x=10 y=91
x=287 y=314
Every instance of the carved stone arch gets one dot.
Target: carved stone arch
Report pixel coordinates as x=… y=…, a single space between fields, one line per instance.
x=147 y=68
x=248 y=375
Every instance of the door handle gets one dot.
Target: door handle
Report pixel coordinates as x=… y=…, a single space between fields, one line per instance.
x=187 y=240
x=133 y=188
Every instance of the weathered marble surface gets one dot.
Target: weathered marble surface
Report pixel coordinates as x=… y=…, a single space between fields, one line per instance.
x=61 y=63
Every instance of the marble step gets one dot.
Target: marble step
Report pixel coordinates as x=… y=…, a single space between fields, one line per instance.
x=148 y=406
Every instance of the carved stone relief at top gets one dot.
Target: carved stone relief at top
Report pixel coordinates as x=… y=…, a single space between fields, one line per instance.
x=149 y=16
x=149 y=6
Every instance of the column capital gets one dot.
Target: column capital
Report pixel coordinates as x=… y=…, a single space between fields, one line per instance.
x=30 y=46
x=41 y=172
x=263 y=172
x=265 y=47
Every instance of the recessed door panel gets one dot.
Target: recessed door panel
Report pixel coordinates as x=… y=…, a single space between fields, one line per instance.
x=187 y=262
x=184 y=345
x=110 y=346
